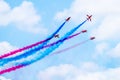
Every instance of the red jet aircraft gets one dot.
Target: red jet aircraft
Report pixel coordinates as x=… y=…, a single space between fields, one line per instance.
x=89 y=17
x=83 y=31
x=68 y=19
x=92 y=38
x=56 y=36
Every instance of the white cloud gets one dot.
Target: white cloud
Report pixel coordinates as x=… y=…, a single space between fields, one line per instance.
x=3 y=78
x=115 y=52
x=59 y=71
x=89 y=66
x=107 y=9
x=4 y=7
x=6 y=47
x=79 y=7
x=102 y=47
x=24 y=16
x=4 y=10
x=109 y=29
x=109 y=74
x=105 y=50
x=105 y=22
x=70 y=72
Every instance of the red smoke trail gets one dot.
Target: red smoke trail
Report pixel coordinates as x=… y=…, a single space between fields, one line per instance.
x=32 y=45
x=63 y=50
x=62 y=40
x=5 y=61
x=21 y=49
x=66 y=49
x=20 y=66
x=78 y=44
x=11 y=69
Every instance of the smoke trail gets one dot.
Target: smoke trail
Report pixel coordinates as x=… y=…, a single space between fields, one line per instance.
x=32 y=51
x=45 y=53
x=32 y=45
x=21 y=65
x=66 y=49
x=7 y=60
x=50 y=49
x=11 y=69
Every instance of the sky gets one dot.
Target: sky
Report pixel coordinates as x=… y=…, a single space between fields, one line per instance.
x=23 y=22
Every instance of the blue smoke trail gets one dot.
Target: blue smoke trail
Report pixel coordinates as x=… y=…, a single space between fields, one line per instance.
x=31 y=51
x=21 y=66
x=50 y=49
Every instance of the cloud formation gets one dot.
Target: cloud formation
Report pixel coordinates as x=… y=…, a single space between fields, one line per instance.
x=107 y=9
x=105 y=21
x=3 y=78
x=24 y=17
x=108 y=29
x=70 y=72
x=115 y=52
x=6 y=47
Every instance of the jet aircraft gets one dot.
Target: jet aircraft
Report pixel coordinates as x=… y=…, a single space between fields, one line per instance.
x=89 y=17
x=92 y=38
x=56 y=36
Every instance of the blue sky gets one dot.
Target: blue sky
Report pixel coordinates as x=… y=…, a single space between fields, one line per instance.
x=23 y=22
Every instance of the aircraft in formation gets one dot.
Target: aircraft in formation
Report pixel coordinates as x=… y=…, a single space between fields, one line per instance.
x=92 y=38
x=88 y=18
x=68 y=19
x=56 y=36
x=83 y=31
